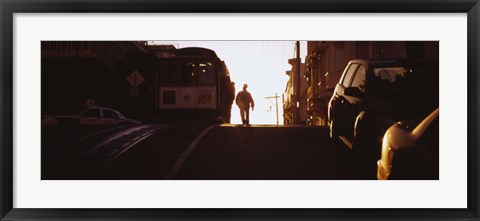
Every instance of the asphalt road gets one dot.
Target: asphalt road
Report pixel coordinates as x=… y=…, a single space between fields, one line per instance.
x=194 y=151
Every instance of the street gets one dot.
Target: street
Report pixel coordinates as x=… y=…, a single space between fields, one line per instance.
x=194 y=151
x=162 y=110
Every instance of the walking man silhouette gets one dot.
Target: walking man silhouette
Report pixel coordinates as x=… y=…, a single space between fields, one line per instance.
x=244 y=100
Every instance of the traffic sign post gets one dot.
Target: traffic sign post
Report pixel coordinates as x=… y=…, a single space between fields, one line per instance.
x=135 y=79
x=133 y=92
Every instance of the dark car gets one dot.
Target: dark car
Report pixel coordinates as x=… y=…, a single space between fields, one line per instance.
x=373 y=95
x=411 y=153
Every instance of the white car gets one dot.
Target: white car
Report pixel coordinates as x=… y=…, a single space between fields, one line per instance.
x=90 y=116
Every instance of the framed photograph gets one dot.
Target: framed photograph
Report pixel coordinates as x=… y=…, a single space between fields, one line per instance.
x=230 y=110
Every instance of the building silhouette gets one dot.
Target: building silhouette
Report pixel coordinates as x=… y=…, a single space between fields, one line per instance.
x=295 y=101
x=75 y=73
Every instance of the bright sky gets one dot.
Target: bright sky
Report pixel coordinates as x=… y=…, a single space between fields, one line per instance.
x=261 y=65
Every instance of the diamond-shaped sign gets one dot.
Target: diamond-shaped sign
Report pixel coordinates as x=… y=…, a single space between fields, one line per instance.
x=135 y=78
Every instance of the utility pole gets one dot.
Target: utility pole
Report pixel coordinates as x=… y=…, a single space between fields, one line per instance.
x=297 y=79
x=276 y=103
x=283 y=107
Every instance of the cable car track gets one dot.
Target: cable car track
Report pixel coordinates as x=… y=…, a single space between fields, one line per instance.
x=114 y=146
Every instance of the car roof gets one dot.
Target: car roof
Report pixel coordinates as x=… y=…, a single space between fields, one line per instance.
x=99 y=107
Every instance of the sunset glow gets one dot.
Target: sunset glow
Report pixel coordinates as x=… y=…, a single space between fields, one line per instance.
x=260 y=64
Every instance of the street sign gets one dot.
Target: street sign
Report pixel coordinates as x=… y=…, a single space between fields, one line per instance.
x=133 y=92
x=135 y=78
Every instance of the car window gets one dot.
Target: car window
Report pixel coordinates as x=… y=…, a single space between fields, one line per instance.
x=120 y=115
x=109 y=114
x=416 y=85
x=92 y=113
x=390 y=74
x=359 y=79
x=349 y=74
x=206 y=73
x=188 y=72
x=169 y=73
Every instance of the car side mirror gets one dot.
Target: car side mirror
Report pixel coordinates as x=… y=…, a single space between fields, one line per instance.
x=353 y=91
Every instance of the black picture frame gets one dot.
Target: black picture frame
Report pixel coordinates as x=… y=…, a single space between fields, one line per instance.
x=10 y=7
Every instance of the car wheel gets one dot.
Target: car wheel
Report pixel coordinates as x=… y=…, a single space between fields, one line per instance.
x=359 y=157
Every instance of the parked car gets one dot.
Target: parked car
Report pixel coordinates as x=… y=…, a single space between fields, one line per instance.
x=90 y=116
x=373 y=95
x=411 y=152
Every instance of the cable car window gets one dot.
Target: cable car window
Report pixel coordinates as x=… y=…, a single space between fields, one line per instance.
x=169 y=73
x=188 y=72
x=206 y=74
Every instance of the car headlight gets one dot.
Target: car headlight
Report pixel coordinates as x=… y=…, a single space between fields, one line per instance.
x=396 y=137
